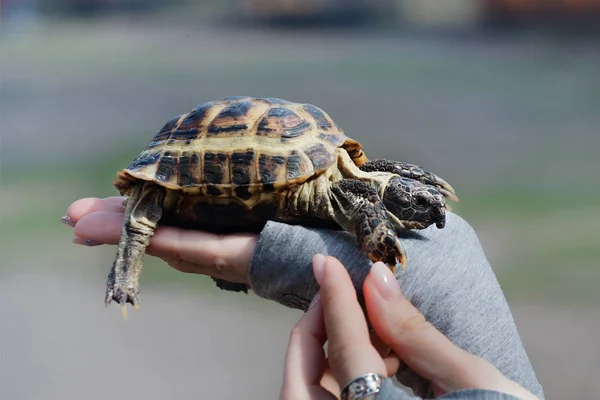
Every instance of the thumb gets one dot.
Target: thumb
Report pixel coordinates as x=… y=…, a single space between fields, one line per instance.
x=420 y=345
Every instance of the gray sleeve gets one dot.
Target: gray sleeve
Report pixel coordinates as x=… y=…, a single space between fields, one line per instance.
x=448 y=279
x=389 y=391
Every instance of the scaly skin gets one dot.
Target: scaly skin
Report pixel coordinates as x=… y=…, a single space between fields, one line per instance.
x=413 y=172
x=359 y=210
x=415 y=204
x=143 y=210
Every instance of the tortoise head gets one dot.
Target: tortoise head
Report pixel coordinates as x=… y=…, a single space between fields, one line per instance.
x=416 y=205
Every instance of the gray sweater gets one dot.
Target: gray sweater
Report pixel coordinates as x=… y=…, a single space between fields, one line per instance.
x=448 y=279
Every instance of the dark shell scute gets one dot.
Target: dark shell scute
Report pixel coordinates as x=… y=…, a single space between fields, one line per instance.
x=242 y=158
x=185 y=134
x=282 y=112
x=240 y=167
x=235 y=110
x=287 y=118
x=214 y=168
x=197 y=114
x=319 y=116
x=215 y=130
x=279 y=160
x=296 y=131
x=215 y=156
x=143 y=160
x=294 y=166
x=188 y=128
x=263 y=127
x=320 y=156
x=188 y=165
x=270 y=168
x=337 y=140
x=284 y=120
x=170 y=124
x=166 y=130
x=167 y=166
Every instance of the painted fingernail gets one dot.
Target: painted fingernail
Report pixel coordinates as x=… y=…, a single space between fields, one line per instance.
x=319 y=267
x=314 y=301
x=385 y=281
x=85 y=242
x=68 y=221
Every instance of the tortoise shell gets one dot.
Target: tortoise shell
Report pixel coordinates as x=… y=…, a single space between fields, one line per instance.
x=240 y=145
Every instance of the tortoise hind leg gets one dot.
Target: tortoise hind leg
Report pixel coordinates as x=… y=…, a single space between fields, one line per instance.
x=142 y=213
x=411 y=171
x=360 y=211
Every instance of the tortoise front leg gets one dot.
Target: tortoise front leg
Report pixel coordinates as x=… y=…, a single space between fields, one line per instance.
x=361 y=212
x=142 y=212
x=411 y=171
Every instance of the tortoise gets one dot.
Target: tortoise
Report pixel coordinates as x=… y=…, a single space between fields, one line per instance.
x=233 y=164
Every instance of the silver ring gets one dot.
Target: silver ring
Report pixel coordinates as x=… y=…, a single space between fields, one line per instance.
x=364 y=385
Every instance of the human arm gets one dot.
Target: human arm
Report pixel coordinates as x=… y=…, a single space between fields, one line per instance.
x=355 y=363
x=448 y=277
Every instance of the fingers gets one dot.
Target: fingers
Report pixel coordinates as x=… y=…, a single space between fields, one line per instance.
x=100 y=227
x=305 y=358
x=391 y=360
x=83 y=207
x=99 y=221
x=420 y=345
x=406 y=331
x=226 y=257
x=392 y=364
x=350 y=351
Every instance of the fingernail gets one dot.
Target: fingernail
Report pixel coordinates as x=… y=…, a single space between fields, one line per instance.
x=385 y=281
x=319 y=267
x=68 y=221
x=314 y=301
x=85 y=242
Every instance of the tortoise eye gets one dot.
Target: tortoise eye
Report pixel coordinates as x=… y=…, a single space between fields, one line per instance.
x=421 y=202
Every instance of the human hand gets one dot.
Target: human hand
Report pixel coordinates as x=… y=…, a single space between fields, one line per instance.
x=99 y=221
x=337 y=318
x=334 y=316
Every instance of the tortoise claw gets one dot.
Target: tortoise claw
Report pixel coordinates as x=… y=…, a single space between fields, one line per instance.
x=122 y=296
x=448 y=192
x=400 y=255
x=375 y=227
x=411 y=171
x=389 y=250
x=443 y=187
x=396 y=255
x=123 y=303
x=123 y=308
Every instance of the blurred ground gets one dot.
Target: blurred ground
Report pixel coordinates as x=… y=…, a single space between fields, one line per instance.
x=512 y=123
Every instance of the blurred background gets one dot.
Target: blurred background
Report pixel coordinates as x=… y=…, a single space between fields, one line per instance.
x=499 y=97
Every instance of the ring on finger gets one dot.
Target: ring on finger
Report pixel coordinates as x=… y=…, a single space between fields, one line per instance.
x=363 y=386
